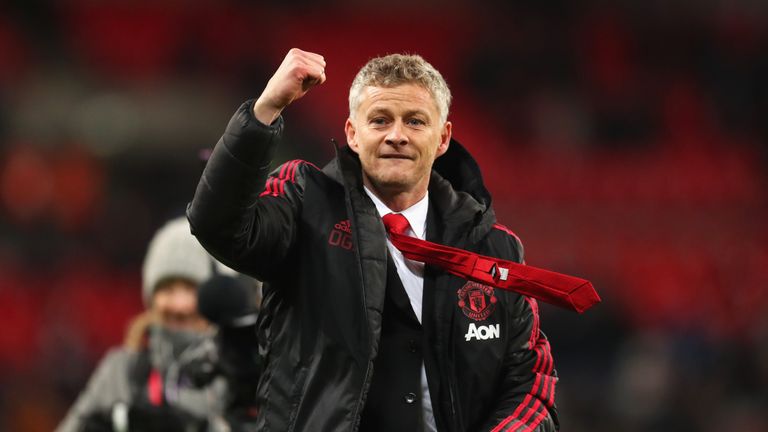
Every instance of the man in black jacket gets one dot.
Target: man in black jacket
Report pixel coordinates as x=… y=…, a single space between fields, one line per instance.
x=355 y=335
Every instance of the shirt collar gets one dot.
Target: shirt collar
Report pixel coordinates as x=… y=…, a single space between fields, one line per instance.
x=416 y=214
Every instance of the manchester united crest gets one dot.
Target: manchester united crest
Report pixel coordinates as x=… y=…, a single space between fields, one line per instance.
x=477 y=301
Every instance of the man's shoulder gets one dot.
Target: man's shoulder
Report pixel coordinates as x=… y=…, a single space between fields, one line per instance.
x=293 y=172
x=505 y=232
x=290 y=169
x=505 y=242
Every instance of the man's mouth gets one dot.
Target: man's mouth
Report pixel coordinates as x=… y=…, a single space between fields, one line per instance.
x=395 y=156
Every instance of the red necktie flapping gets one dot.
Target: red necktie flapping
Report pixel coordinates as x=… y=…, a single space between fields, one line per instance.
x=551 y=287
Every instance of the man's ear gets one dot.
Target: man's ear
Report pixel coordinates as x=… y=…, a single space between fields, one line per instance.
x=445 y=139
x=349 y=130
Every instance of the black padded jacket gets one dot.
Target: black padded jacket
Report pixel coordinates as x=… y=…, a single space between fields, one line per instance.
x=316 y=240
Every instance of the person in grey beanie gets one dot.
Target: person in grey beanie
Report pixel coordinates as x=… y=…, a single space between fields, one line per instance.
x=140 y=385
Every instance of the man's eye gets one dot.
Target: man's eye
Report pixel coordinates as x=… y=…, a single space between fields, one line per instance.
x=416 y=122
x=378 y=121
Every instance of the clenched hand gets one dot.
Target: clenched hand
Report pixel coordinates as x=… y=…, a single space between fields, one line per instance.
x=299 y=72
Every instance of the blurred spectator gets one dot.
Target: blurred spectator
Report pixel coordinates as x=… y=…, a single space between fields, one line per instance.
x=139 y=385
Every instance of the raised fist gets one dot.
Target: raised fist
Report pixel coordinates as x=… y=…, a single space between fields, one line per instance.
x=299 y=72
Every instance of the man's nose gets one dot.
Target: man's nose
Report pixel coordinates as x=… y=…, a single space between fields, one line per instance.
x=396 y=135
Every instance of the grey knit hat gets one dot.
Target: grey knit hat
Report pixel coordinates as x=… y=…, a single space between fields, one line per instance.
x=175 y=253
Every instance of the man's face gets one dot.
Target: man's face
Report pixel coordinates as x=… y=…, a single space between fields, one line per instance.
x=397 y=133
x=175 y=306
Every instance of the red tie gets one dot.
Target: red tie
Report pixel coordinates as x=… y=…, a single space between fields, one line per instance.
x=555 y=288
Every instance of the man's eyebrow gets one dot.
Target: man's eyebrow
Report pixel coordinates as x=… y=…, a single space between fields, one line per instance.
x=409 y=113
x=378 y=111
x=418 y=112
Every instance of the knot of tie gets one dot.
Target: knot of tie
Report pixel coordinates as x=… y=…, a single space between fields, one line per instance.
x=396 y=223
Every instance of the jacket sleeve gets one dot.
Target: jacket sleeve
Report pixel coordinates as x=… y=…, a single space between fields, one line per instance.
x=527 y=399
x=241 y=214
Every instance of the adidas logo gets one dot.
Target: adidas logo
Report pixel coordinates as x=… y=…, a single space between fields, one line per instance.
x=341 y=235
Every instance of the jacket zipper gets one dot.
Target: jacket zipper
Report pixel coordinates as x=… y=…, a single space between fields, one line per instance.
x=457 y=422
x=361 y=397
x=355 y=238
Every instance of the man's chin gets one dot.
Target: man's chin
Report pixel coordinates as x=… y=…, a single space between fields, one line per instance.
x=390 y=183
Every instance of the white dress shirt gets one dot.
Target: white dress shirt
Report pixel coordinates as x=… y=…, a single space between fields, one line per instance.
x=412 y=276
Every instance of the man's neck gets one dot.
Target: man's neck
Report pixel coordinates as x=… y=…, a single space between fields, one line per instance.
x=397 y=200
x=402 y=201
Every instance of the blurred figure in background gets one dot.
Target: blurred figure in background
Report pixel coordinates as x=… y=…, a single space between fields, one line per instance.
x=146 y=384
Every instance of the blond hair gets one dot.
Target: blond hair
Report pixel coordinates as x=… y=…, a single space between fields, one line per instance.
x=397 y=69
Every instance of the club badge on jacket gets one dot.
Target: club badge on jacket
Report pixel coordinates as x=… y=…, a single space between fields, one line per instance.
x=477 y=301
